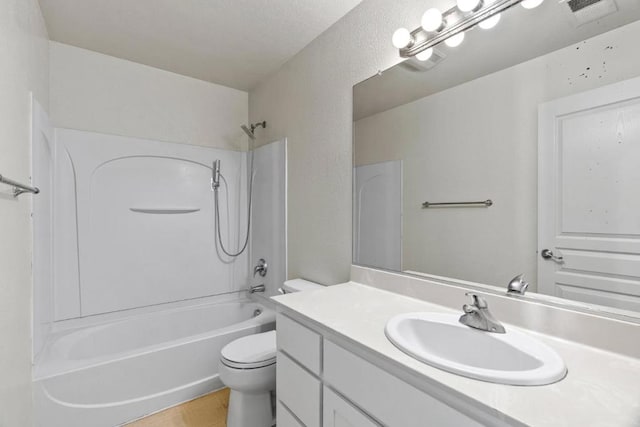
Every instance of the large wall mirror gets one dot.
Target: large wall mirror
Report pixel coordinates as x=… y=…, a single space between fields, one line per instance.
x=530 y=135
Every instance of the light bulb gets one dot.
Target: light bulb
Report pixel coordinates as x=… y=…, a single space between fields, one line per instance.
x=468 y=5
x=490 y=22
x=401 y=38
x=455 y=40
x=432 y=20
x=425 y=54
x=530 y=4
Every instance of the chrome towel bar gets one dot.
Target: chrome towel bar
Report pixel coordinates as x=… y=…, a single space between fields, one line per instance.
x=483 y=203
x=18 y=188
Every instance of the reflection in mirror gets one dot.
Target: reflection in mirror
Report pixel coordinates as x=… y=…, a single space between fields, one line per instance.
x=541 y=117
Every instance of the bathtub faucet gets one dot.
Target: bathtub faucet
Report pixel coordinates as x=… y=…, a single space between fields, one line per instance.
x=256 y=288
x=261 y=268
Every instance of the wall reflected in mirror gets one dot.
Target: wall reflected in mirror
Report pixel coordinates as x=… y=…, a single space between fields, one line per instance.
x=540 y=115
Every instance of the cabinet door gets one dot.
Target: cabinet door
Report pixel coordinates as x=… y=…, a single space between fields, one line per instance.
x=285 y=418
x=386 y=397
x=337 y=412
x=299 y=391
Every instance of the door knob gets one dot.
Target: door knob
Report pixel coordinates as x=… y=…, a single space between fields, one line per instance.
x=548 y=254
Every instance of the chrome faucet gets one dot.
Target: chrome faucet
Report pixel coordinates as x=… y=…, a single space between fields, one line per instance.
x=260 y=268
x=478 y=316
x=256 y=288
x=517 y=285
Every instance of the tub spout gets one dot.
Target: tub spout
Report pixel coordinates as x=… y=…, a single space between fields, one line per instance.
x=517 y=285
x=257 y=288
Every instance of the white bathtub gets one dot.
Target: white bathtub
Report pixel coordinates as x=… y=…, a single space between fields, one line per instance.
x=111 y=373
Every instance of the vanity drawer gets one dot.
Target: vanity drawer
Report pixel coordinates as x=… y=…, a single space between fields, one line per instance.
x=385 y=397
x=299 y=342
x=284 y=418
x=298 y=390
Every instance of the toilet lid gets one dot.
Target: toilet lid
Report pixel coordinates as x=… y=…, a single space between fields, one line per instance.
x=252 y=351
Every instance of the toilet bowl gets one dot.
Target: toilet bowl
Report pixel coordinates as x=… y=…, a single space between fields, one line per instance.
x=248 y=367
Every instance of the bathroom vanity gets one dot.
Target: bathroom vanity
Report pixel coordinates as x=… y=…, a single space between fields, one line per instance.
x=322 y=383
x=336 y=368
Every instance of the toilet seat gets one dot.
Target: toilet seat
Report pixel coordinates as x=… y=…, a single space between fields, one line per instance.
x=250 y=352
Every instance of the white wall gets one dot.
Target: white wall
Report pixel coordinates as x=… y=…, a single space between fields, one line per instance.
x=95 y=92
x=309 y=101
x=492 y=156
x=24 y=67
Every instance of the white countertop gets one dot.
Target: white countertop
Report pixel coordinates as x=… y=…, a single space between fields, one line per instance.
x=600 y=389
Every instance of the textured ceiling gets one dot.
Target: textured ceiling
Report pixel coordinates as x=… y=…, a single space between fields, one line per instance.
x=235 y=43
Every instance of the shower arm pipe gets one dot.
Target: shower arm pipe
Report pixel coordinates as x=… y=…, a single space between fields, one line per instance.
x=250 y=130
x=262 y=124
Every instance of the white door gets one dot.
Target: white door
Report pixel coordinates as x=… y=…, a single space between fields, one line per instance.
x=337 y=412
x=377 y=219
x=589 y=196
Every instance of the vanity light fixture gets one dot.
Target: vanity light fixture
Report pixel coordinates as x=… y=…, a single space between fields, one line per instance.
x=401 y=38
x=425 y=54
x=450 y=27
x=469 y=5
x=432 y=20
x=455 y=41
x=489 y=23
x=530 y=4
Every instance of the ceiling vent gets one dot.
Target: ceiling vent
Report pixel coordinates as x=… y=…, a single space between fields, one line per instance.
x=584 y=11
x=413 y=64
x=576 y=5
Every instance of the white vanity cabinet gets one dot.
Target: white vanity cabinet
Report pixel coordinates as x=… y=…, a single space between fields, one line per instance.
x=298 y=368
x=322 y=384
x=337 y=412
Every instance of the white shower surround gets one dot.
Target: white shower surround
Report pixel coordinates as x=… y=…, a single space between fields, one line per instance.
x=133 y=223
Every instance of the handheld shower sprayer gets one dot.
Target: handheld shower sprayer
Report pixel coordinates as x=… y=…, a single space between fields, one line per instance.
x=215 y=175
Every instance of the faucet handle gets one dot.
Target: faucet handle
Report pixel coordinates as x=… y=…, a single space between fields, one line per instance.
x=260 y=268
x=478 y=316
x=478 y=301
x=468 y=308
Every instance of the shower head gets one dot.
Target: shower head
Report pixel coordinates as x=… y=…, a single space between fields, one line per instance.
x=250 y=132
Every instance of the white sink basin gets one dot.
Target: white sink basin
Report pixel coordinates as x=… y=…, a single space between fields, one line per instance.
x=440 y=340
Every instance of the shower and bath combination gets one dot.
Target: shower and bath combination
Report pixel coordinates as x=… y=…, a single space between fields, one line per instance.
x=215 y=186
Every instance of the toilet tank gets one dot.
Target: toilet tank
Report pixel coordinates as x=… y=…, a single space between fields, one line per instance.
x=299 y=285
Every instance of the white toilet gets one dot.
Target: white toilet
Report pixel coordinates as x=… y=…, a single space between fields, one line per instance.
x=248 y=367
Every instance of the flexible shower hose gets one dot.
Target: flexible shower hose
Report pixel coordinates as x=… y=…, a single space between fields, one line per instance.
x=217 y=213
